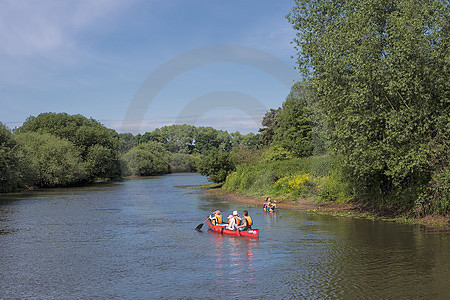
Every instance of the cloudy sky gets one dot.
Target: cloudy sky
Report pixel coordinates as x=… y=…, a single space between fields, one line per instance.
x=140 y=64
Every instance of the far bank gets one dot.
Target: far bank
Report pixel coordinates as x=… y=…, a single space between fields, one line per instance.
x=349 y=209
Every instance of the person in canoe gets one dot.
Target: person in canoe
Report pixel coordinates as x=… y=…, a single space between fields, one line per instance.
x=246 y=223
x=231 y=223
x=216 y=217
x=234 y=221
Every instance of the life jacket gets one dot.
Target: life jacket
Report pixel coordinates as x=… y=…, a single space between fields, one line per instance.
x=238 y=220
x=249 y=220
x=219 y=218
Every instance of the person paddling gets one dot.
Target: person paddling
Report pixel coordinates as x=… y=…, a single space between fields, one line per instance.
x=246 y=222
x=216 y=217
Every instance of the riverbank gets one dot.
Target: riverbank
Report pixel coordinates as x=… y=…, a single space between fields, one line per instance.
x=352 y=210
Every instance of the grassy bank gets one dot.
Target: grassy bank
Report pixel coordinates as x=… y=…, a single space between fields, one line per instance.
x=315 y=180
x=315 y=177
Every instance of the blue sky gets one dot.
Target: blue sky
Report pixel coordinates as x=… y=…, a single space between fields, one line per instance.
x=136 y=65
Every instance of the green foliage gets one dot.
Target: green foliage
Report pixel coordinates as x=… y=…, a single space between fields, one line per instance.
x=104 y=161
x=216 y=164
x=276 y=153
x=293 y=131
x=379 y=70
x=310 y=177
x=10 y=168
x=303 y=95
x=245 y=155
x=249 y=140
x=189 y=139
x=88 y=135
x=176 y=138
x=128 y=141
x=208 y=138
x=52 y=161
x=147 y=159
x=300 y=185
x=269 y=124
x=290 y=126
x=180 y=162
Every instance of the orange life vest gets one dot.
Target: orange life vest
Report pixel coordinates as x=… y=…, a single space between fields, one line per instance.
x=249 y=220
x=238 y=220
x=219 y=218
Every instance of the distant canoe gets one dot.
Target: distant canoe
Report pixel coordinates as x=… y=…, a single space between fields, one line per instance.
x=254 y=233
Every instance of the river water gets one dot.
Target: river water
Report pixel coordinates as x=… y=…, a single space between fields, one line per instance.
x=136 y=240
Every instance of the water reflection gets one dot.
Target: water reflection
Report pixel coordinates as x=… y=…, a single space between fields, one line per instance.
x=233 y=259
x=270 y=217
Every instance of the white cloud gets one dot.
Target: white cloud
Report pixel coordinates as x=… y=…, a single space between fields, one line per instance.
x=42 y=28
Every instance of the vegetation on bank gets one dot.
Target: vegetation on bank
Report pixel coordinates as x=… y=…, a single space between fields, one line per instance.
x=315 y=177
x=379 y=73
x=375 y=99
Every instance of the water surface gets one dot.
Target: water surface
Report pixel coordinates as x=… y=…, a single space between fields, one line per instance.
x=136 y=239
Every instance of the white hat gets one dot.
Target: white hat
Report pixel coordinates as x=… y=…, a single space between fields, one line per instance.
x=235 y=213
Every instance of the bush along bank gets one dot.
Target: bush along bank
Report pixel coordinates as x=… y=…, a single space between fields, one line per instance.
x=320 y=180
x=314 y=177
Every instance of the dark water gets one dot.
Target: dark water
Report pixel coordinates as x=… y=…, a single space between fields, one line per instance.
x=136 y=240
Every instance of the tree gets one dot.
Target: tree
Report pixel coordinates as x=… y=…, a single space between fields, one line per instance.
x=293 y=130
x=270 y=124
x=216 y=164
x=53 y=161
x=208 y=138
x=128 y=141
x=249 y=140
x=84 y=133
x=176 y=138
x=148 y=159
x=303 y=95
x=10 y=169
x=379 y=70
x=180 y=162
x=104 y=161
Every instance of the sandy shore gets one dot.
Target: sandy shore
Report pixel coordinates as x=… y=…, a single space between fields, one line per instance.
x=347 y=209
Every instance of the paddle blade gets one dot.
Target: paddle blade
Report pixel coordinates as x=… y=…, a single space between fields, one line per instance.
x=199 y=226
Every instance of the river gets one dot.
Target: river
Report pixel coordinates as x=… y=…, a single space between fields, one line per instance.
x=136 y=240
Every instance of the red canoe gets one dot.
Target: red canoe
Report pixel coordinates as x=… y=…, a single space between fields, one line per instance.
x=221 y=229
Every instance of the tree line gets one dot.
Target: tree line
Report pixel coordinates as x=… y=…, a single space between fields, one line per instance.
x=57 y=149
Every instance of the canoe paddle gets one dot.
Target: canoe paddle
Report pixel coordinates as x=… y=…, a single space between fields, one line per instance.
x=200 y=226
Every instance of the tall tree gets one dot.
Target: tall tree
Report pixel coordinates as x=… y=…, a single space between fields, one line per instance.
x=380 y=71
x=293 y=130
x=269 y=125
